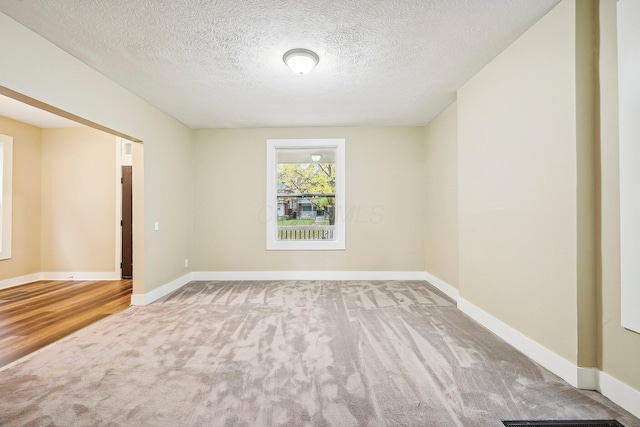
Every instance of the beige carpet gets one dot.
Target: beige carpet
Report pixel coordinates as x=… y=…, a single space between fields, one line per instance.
x=290 y=354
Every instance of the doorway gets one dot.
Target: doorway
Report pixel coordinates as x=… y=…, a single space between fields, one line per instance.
x=127 y=223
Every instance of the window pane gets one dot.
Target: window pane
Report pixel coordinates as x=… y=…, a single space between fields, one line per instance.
x=306 y=194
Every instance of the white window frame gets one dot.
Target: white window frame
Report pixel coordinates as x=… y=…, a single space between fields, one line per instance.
x=6 y=149
x=629 y=104
x=339 y=242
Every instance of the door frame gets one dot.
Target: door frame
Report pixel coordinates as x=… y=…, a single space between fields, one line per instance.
x=123 y=158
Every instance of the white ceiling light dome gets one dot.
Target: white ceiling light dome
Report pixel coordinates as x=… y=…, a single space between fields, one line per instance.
x=301 y=61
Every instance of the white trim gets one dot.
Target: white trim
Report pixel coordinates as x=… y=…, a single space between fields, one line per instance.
x=545 y=357
x=629 y=139
x=21 y=280
x=620 y=393
x=443 y=286
x=122 y=159
x=308 y=275
x=81 y=275
x=125 y=159
x=587 y=378
x=118 y=214
x=166 y=289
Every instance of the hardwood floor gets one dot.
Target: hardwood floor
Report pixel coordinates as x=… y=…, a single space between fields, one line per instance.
x=39 y=313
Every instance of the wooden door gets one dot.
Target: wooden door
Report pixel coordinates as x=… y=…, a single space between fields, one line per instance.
x=127 y=223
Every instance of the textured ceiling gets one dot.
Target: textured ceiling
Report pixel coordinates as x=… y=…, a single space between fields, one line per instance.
x=218 y=63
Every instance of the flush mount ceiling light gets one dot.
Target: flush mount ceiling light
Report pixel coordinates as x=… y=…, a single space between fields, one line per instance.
x=316 y=157
x=301 y=61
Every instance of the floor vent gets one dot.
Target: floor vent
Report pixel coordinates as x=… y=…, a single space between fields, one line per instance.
x=573 y=423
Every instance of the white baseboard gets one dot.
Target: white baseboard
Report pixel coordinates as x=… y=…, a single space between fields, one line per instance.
x=583 y=378
x=21 y=280
x=587 y=378
x=620 y=393
x=81 y=275
x=443 y=286
x=558 y=365
x=308 y=275
x=166 y=289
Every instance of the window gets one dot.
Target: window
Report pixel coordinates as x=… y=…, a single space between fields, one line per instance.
x=6 y=160
x=305 y=194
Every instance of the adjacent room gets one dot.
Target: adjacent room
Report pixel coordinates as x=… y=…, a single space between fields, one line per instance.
x=372 y=213
x=66 y=228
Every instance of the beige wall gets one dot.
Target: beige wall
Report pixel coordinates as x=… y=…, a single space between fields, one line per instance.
x=63 y=200
x=619 y=347
x=517 y=185
x=384 y=197
x=35 y=67
x=78 y=200
x=25 y=248
x=138 y=218
x=441 y=196
x=587 y=139
x=504 y=130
